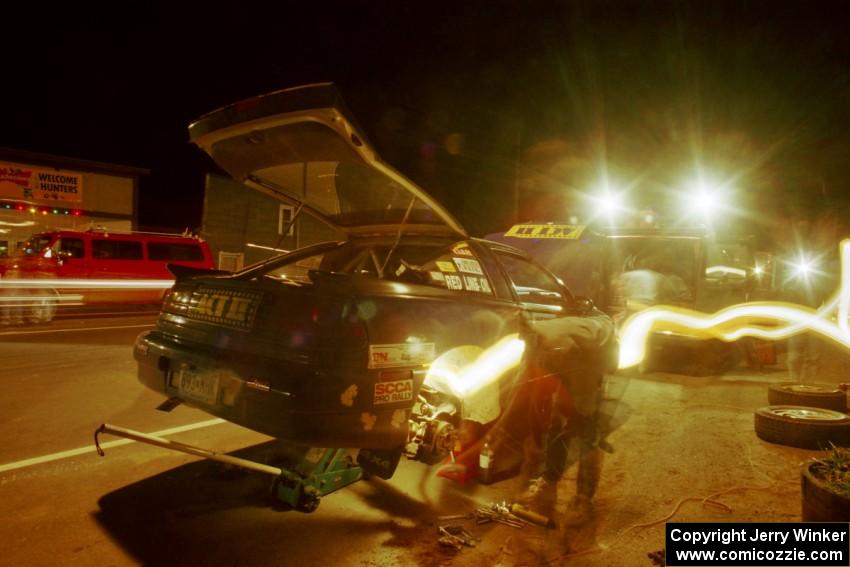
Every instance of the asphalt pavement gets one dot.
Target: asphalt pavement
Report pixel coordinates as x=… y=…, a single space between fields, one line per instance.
x=676 y=440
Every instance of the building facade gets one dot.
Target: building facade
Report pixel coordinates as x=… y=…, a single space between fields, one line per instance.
x=243 y=226
x=41 y=192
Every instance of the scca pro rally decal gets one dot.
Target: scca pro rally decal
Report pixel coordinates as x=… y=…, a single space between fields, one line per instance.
x=226 y=307
x=392 y=392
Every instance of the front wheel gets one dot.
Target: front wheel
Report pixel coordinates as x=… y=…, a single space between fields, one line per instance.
x=42 y=305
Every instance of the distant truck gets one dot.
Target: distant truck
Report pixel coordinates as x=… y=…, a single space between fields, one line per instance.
x=92 y=267
x=624 y=270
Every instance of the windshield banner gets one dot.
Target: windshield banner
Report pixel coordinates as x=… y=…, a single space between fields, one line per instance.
x=21 y=182
x=567 y=231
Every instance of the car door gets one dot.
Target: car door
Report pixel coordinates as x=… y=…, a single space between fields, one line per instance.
x=539 y=293
x=71 y=257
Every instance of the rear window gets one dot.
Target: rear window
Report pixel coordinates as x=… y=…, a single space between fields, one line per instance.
x=454 y=267
x=173 y=251
x=116 y=249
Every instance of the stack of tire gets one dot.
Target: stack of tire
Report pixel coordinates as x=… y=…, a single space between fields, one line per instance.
x=809 y=416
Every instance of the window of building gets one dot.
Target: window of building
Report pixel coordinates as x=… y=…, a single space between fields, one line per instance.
x=174 y=251
x=284 y=220
x=231 y=261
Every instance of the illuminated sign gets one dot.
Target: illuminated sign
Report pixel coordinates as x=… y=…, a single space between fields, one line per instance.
x=769 y=320
x=21 y=182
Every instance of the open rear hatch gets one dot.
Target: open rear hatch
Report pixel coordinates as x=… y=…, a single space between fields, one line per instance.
x=301 y=146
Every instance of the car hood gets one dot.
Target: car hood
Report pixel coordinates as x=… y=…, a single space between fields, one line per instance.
x=301 y=146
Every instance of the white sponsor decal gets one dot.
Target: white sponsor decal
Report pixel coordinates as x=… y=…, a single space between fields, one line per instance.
x=485 y=286
x=468 y=266
x=454 y=282
x=393 y=392
x=437 y=276
x=402 y=354
x=462 y=250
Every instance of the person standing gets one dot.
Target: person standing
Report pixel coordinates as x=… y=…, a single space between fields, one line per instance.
x=809 y=278
x=580 y=350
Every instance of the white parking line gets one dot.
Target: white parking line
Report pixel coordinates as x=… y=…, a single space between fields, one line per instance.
x=10 y=333
x=83 y=450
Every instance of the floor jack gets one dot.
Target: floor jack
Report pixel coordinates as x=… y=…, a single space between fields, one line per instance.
x=320 y=471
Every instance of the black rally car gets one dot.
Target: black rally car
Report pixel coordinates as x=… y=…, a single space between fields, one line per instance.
x=329 y=346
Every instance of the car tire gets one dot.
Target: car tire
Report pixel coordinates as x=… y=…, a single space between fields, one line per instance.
x=819 y=504
x=803 y=427
x=824 y=396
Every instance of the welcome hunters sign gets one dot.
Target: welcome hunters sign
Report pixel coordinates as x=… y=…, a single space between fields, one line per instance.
x=24 y=183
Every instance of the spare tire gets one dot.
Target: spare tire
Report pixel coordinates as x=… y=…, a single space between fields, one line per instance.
x=825 y=396
x=804 y=427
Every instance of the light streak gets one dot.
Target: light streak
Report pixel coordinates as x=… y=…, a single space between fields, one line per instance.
x=81 y=283
x=252 y=245
x=492 y=363
x=769 y=320
x=35 y=298
x=720 y=269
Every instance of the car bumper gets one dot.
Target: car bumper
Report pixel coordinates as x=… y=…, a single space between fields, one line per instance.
x=319 y=410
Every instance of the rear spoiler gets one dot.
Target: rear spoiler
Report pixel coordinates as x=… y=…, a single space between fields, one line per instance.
x=179 y=271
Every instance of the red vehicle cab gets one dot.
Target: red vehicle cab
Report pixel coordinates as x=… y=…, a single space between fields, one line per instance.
x=95 y=266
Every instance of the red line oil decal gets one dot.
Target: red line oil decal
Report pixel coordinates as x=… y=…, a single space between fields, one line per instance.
x=481 y=285
x=393 y=392
x=454 y=282
x=226 y=307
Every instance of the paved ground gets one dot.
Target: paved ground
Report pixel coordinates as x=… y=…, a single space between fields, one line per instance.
x=684 y=450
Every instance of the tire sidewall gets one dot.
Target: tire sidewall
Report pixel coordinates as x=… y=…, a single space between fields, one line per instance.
x=819 y=502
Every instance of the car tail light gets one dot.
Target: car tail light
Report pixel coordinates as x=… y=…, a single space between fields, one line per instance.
x=177 y=300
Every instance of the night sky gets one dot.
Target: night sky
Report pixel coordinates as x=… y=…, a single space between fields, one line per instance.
x=469 y=99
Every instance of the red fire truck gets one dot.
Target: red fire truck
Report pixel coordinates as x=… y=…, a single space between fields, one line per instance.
x=67 y=267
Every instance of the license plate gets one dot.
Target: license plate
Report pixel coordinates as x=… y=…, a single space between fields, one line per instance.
x=200 y=385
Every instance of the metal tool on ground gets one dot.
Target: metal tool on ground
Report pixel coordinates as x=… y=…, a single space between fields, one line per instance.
x=498 y=512
x=318 y=473
x=456 y=537
x=532 y=517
